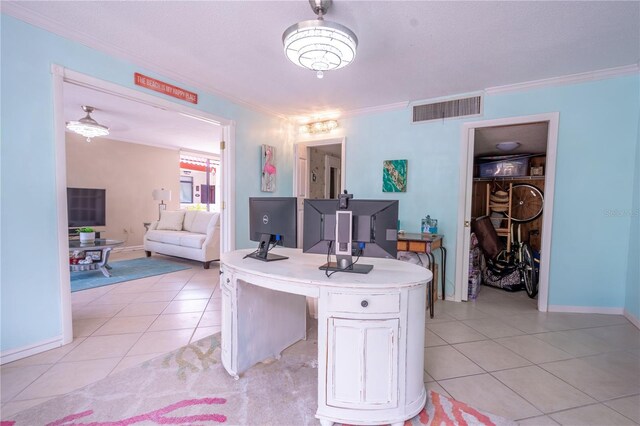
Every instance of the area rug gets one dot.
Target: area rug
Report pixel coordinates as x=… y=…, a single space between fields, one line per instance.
x=124 y=270
x=190 y=387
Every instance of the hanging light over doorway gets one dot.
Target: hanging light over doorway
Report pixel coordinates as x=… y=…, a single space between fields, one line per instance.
x=87 y=126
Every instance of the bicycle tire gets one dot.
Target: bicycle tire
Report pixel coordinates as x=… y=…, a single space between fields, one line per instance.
x=527 y=202
x=529 y=271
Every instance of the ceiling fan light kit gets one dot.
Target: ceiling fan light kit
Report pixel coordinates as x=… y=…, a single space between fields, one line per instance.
x=87 y=126
x=320 y=45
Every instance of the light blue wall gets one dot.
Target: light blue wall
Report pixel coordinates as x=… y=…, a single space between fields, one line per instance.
x=30 y=299
x=632 y=304
x=596 y=144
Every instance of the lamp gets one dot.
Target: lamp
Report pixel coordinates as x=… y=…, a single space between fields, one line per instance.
x=319 y=127
x=161 y=195
x=87 y=126
x=320 y=45
x=508 y=145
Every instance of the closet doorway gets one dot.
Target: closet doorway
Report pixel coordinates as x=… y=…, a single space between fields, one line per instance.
x=504 y=159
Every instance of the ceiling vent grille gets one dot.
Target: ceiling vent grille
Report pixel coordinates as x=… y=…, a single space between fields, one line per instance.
x=447 y=109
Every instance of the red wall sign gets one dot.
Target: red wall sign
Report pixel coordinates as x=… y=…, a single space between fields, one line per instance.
x=166 y=88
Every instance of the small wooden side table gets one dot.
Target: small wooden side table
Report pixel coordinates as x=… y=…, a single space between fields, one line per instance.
x=426 y=243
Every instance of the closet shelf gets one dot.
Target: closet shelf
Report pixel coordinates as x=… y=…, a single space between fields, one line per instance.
x=507 y=178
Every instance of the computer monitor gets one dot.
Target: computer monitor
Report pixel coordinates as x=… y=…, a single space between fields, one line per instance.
x=373 y=229
x=272 y=221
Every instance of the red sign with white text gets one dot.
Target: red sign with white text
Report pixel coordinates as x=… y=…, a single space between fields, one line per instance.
x=166 y=88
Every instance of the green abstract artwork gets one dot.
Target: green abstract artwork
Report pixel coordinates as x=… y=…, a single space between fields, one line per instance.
x=394 y=176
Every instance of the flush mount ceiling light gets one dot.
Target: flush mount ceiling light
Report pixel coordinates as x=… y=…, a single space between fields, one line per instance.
x=320 y=45
x=87 y=126
x=507 y=146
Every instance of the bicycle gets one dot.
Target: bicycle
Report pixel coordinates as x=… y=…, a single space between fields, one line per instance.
x=527 y=202
x=522 y=256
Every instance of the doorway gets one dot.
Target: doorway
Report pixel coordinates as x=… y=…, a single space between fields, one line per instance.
x=479 y=152
x=319 y=172
x=63 y=76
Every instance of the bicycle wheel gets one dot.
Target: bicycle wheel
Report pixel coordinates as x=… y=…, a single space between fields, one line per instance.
x=527 y=202
x=529 y=271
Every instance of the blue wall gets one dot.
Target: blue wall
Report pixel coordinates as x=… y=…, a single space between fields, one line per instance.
x=596 y=145
x=30 y=299
x=632 y=304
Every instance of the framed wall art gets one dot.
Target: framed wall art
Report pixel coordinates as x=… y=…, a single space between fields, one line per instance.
x=394 y=176
x=269 y=170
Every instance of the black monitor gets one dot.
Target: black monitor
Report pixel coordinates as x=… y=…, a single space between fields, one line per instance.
x=373 y=226
x=272 y=221
x=86 y=207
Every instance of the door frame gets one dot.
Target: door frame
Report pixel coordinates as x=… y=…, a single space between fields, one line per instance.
x=61 y=75
x=319 y=142
x=464 y=200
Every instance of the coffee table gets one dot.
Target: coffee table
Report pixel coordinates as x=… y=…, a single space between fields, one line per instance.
x=99 y=250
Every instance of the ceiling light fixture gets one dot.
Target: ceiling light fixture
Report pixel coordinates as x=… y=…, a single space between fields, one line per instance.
x=507 y=146
x=87 y=126
x=320 y=45
x=319 y=127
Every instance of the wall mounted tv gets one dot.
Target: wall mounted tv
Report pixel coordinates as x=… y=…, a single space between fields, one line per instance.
x=86 y=207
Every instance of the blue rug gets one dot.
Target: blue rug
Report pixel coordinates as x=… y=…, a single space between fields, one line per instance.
x=124 y=270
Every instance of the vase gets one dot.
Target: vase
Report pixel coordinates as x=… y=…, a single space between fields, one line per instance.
x=87 y=237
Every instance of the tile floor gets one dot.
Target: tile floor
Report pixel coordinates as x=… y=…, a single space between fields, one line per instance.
x=116 y=327
x=497 y=353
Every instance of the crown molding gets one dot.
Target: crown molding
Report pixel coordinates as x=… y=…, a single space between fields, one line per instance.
x=566 y=79
x=17 y=11
x=375 y=109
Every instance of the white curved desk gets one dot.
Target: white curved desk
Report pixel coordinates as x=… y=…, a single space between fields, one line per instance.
x=370 y=330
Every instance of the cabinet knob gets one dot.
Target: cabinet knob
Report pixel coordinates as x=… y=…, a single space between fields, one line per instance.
x=228 y=280
x=364 y=303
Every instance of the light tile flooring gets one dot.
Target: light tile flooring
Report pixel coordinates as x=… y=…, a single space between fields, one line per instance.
x=497 y=354
x=116 y=327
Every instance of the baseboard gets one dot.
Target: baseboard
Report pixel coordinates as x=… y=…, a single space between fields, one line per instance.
x=25 y=351
x=585 y=309
x=126 y=249
x=632 y=318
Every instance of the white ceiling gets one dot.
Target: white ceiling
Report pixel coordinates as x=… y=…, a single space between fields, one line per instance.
x=531 y=137
x=409 y=50
x=136 y=122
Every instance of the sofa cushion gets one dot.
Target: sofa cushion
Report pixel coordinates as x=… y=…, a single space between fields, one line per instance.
x=189 y=216
x=176 y=238
x=192 y=240
x=201 y=222
x=171 y=220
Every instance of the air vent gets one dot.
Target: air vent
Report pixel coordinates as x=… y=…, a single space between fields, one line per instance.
x=447 y=109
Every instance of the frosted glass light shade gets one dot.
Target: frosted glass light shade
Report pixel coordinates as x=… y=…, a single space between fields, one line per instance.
x=320 y=45
x=87 y=126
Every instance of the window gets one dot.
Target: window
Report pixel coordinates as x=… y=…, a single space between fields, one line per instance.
x=186 y=189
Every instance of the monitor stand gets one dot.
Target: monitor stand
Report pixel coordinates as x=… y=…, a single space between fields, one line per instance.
x=262 y=253
x=342 y=265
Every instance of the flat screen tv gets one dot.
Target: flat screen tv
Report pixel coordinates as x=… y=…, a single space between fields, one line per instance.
x=86 y=207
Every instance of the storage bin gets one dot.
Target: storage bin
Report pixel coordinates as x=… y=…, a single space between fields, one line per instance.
x=510 y=167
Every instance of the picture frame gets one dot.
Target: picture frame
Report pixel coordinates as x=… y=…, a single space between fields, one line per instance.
x=96 y=255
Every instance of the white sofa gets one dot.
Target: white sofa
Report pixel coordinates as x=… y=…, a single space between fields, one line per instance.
x=191 y=234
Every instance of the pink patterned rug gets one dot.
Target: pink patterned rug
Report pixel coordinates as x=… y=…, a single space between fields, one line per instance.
x=190 y=387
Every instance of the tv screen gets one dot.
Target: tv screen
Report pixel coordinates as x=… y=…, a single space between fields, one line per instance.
x=86 y=207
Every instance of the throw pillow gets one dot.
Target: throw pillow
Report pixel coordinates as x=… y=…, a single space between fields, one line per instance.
x=171 y=220
x=189 y=217
x=201 y=222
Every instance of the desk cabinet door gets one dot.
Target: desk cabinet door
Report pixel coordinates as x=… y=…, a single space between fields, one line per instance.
x=362 y=369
